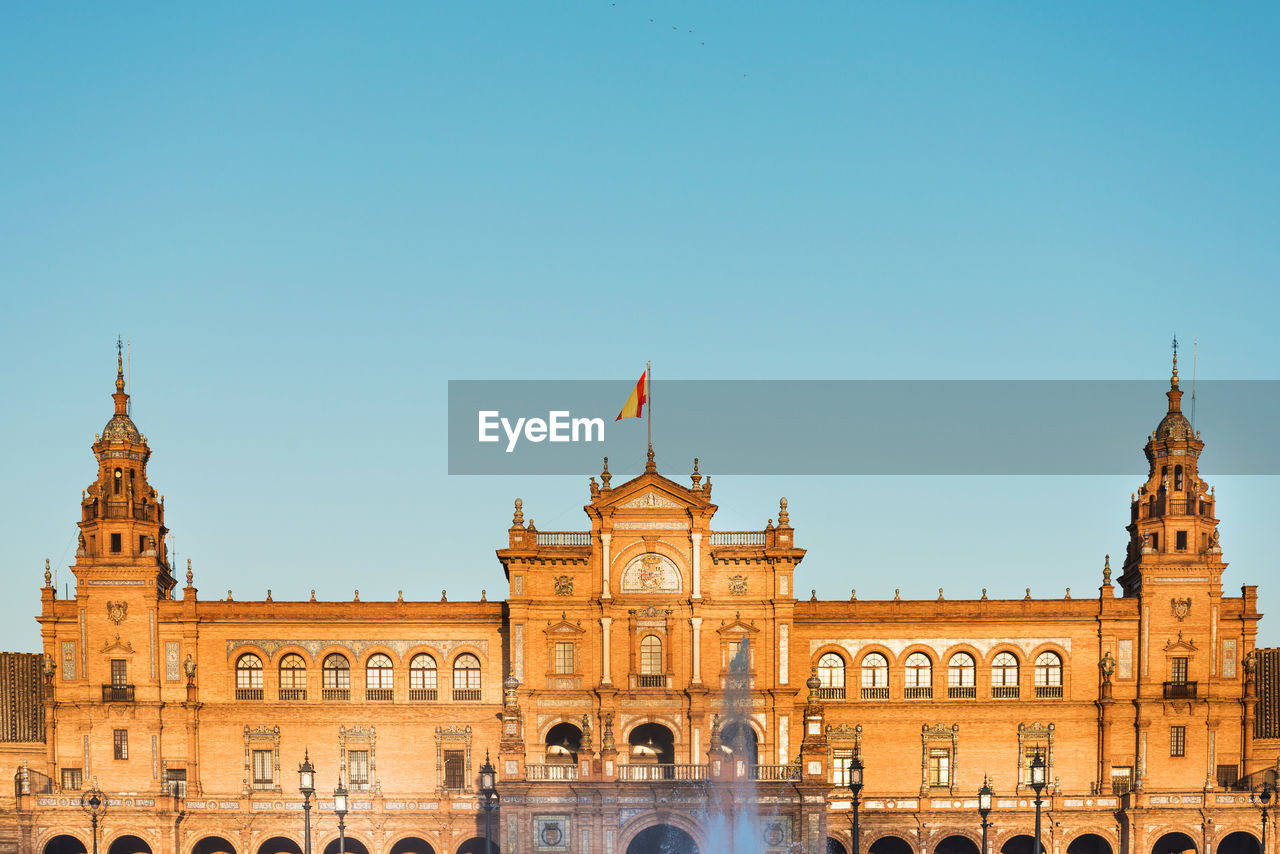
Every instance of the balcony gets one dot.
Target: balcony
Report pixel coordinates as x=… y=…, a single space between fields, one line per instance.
x=1004 y=692
x=422 y=695
x=651 y=680
x=564 y=538
x=831 y=693
x=737 y=538
x=248 y=693
x=962 y=692
x=1048 y=692
x=1180 y=690
x=117 y=693
x=875 y=693
x=335 y=694
x=378 y=695
x=776 y=773
x=645 y=773
x=917 y=694
x=293 y=694
x=466 y=695
x=553 y=771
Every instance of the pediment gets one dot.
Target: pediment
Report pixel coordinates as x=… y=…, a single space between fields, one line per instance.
x=648 y=499
x=118 y=646
x=738 y=627
x=1180 y=645
x=564 y=627
x=652 y=491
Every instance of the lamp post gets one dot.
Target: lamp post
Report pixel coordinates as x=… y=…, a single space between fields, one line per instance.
x=306 y=785
x=489 y=791
x=340 y=807
x=984 y=809
x=1037 y=783
x=1265 y=797
x=855 y=786
x=94 y=804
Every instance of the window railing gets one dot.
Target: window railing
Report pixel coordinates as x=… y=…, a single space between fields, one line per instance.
x=737 y=538
x=1121 y=786
x=962 y=692
x=264 y=785
x=551 y=771
x=1180 y=690
x=775 y=772
x=831 y=693
x=641 y=773
x=291 y=694
x=466 y=695
x=1004 y=692
x=564 y=538
x=422 y=695
x=925 y=693
x=335 y=693
x=651 y=680
x=1049 y=692
x=875 y=693
x=117 y=693
x=378 y=695
x=248 y=693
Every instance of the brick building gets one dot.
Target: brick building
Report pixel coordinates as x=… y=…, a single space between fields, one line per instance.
x=648 y=680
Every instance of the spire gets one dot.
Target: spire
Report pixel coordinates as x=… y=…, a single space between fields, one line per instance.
x=1174 y=393
x=122 y=399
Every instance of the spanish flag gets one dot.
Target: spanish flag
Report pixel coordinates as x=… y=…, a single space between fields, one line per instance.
x=634 y=407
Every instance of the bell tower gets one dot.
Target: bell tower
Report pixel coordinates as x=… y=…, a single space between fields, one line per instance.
x=1173 y=533
x=121 y=519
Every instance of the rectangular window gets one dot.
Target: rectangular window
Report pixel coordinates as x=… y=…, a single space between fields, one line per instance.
x=120 y=741
x=115 y=543
x=840 y=759
x=1182 y=541
x=939 y=766
x=1121 y=780
x=119 y=672
x=358 y=768
x=1177 y=741
x=263 y=769
x=455 y=769
x=564 y=657
x=1179 y=671
x=142 y=544
x=1155 y=541
x=1228 y=776
x=72 y=779
x=176 y=781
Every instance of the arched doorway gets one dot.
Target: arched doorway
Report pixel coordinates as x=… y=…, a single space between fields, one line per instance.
x=652 y=744
x=350 y=846
x=279 y=845
x=890 y=845
x=412 y=845
x=835 y=846
x=1089 y=843
x=956 y=844
x=129 y=844
x=739 y=740
x=1020 y=844
x=475 y=845
x=662 y=839
x=213 y=845
x=64 y=844
x=562 y=744
x=1174 y=843
x=1240 y=842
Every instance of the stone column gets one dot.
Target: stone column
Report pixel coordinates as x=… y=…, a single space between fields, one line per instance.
x=604 y=576
x=697 y=564
x=696 y=622
x=605 y=624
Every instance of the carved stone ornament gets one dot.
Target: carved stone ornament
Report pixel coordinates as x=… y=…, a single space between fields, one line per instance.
x=737 y=585
x=650 y=573
x=564 y=585
x=1181 y=607
x=650 y=499
x=116 y=611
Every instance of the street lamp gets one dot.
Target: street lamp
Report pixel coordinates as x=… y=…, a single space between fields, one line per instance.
x=855 y=786
x=1037 y=783
x=306 y=785
x=489 y=791
x=340 y=807
x=94 y=804
x=984 y=809
x=1265 y=797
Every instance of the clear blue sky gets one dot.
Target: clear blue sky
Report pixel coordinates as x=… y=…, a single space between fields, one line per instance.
x=307 y=218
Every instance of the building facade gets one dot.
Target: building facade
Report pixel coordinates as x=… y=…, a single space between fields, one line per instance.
x=648 y=683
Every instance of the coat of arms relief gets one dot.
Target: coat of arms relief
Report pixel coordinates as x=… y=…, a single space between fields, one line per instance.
x=564 y=585
x=1181 y=607
x=116 y=611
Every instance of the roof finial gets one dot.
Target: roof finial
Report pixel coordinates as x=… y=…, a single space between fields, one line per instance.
x=605 y=477
x=48 y=576
x=650 y=467
x=1106 y=571
x=1173 y=381
x=784 y=518
x=695 y=477
x=122 y=399
x=517 y=519
x=189 y=575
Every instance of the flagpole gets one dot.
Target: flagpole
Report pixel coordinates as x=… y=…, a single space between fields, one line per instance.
x=648 y=393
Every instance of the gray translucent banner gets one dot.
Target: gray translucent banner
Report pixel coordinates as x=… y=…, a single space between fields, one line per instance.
x=873 y=427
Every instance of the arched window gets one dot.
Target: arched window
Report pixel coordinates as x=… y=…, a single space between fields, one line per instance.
x=875 y=677
x=248 y=677
x=1048 y=675
x=466 y=678
x=919 y=677
x=119 y=481
x=962 y=677
x=831 y=676
x=378 y=678
x=335 y=673
x=422 y=677
x=293 y=677
x=1004 y=676
x=650 y=657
